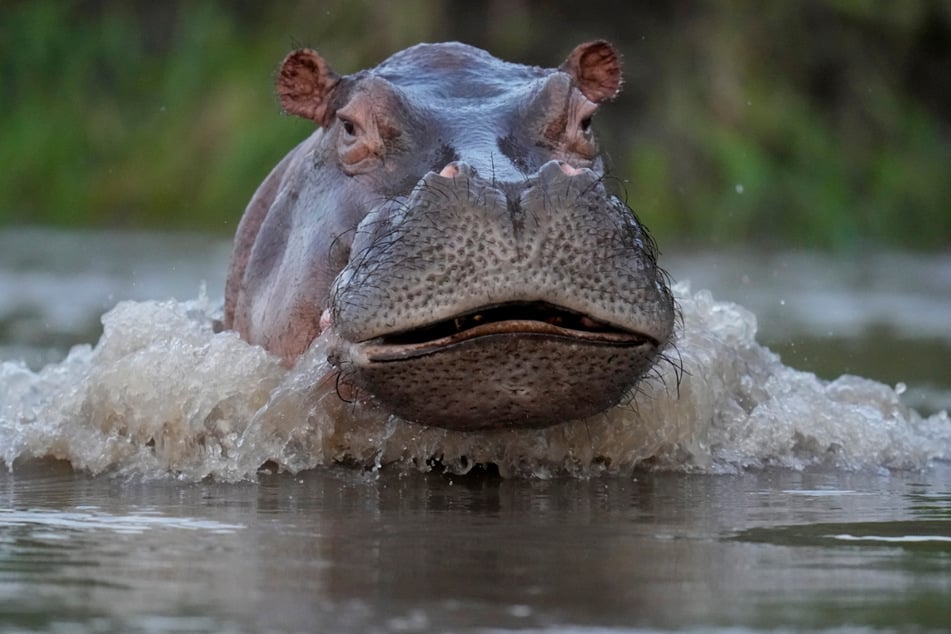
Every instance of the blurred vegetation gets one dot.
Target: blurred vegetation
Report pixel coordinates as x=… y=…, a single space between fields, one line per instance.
x=820 y=123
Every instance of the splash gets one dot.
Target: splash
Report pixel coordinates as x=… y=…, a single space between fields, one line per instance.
x=163 y=396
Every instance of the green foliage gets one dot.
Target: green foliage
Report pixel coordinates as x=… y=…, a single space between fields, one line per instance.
x=822 y=123
x=798 y=128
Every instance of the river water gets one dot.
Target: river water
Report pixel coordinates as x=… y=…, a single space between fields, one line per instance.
x=161 y=478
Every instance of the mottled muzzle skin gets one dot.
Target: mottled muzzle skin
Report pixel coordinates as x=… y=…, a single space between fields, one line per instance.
x=449 y=224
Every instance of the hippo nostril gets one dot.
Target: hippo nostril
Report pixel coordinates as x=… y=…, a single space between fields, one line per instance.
x=559 y=171
x=569 y=170
x=451 y=170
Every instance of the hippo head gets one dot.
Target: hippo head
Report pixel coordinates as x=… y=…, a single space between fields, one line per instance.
x=449 y=224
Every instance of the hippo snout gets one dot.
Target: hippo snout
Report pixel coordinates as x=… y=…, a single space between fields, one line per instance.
x=513 y=309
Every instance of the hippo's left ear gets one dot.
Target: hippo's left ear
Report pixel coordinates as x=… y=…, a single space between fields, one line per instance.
x=596 y=68
x=305 y=83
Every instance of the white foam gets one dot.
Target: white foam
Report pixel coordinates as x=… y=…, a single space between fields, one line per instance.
x=162 y=395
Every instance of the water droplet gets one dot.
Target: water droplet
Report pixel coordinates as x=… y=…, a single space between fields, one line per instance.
x=739 y=188
x=900 y=388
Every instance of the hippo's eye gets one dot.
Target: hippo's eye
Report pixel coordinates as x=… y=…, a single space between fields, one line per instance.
x=349 y=127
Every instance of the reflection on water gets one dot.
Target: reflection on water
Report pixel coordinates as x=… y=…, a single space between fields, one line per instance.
x=913 y=535
x=338 y=550
x=91 y=518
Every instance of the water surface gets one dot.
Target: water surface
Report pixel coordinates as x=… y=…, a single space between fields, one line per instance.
x=336 y=550
x=780 y=500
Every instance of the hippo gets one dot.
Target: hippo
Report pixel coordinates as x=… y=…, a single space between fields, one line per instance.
x=448 y=224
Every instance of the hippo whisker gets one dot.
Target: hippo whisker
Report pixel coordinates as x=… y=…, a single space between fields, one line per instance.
x=656 y=373
x=340 y=381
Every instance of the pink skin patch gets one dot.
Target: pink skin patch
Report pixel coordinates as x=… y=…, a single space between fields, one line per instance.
x=450 y=171
x=569 y=170
x=326 y=321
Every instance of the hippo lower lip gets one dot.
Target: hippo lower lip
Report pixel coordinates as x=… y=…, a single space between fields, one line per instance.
x=513 y=319
x=520 y=364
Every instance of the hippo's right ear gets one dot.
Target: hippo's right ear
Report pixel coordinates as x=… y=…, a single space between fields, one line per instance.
x=305 y=83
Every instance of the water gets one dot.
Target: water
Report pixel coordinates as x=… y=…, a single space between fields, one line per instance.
x=337 y=551
x=752 y=497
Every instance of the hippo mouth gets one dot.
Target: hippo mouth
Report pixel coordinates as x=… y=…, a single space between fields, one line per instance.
x=538 y=319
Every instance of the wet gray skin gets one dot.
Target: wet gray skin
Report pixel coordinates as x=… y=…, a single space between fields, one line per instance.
x=449 y=224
